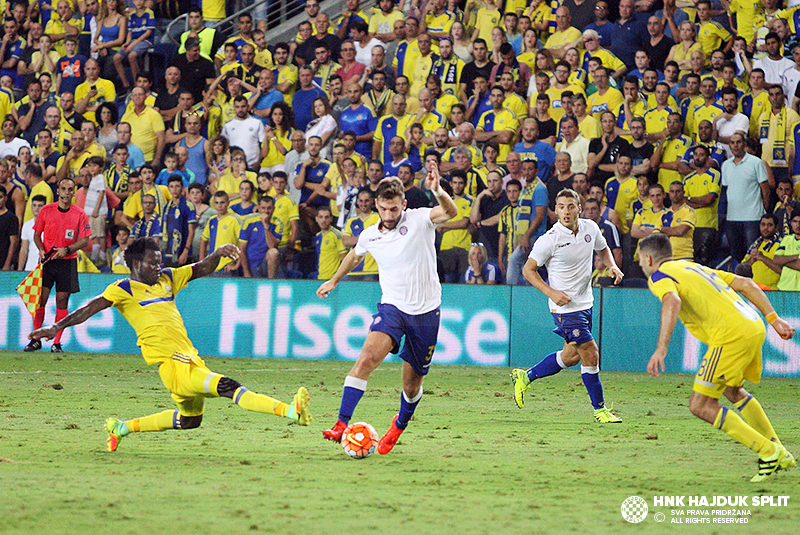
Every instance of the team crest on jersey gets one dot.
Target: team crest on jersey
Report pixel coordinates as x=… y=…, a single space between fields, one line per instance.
x=587 y=238
x=403 y=231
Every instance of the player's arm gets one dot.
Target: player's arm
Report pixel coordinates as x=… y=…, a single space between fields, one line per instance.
x=670 y=309
x=209 y=264
x=347 y=265
x=447 y=209
x=531 y=274
x=85 y=312
x=611 y=264
x=749 y=289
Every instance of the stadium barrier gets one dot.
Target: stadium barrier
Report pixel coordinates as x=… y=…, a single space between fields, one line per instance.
x=481 y=325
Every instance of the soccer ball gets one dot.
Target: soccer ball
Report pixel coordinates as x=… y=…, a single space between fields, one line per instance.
x=360 y=440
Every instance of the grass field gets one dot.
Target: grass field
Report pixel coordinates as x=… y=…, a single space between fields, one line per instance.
x=470 y=463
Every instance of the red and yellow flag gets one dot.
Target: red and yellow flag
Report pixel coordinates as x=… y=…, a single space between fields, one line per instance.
x=30 y=289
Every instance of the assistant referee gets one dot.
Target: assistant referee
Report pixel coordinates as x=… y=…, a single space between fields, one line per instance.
x=60 y=231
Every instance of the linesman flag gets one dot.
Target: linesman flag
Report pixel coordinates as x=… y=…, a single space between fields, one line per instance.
x=30 y=289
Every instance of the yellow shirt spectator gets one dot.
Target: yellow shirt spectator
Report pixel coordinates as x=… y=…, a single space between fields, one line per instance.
x=144 y=128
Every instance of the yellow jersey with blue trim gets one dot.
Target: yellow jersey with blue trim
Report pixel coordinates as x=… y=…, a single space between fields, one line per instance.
x=504 y=120
x=711 y=310
x=151 y=311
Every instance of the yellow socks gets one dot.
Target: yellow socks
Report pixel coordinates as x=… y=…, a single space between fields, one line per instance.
x=754 y=415
x=259 y=402
x=736 y=428
x=155 y=422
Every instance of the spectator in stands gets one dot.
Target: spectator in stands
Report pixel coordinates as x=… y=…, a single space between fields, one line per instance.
x=604 y=151
x=116 y=256
x=118 y=173
x=744 y=178
x=328 y=244
x=775 y=131
x=107 y=119
x=454 y=248
x=787 y=257
x=150 y=223
x=481 y=270
x=10 y=145
x=323 y=125
x=592 y=209
x=246 y=132
x=135 y=154
x=261 y=101
x=70 y=67
x=9 y=234
x=258 y=241
x=565 y=36
x=679 y=223
x=30 y=114
x=209 y=39
x=351 y=70
x=221 y=229
x=630 y=33
x=93 y=91
x=485 y=212
x=358 y=119
x=762 y=253
x=198 y=149
x=774 y=64
x=197 y=71
x=168 y=101
x=575 y=145
x=304 y=97
x=71 y=119
x=147 y=128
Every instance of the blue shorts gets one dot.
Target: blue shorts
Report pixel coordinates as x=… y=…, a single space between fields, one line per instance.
x=574 y=327
x=421 y=332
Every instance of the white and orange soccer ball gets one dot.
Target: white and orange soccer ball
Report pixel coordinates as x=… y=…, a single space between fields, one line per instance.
x=360 y=440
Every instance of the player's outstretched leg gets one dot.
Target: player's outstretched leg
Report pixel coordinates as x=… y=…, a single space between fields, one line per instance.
x=161 y=421
x=354 y=389
x=251 y=401
x=521 y=379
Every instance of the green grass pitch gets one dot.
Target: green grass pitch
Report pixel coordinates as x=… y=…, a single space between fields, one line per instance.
x=470 y=462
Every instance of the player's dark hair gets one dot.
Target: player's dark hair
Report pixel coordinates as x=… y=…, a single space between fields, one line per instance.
x=137 y=249
x=389 y=188
x=656 y=245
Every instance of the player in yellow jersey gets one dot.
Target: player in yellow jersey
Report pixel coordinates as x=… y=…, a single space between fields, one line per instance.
x=707 y=303
x=147 y=301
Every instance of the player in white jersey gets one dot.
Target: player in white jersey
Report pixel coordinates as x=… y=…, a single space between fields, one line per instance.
x=567 y=250
x=403 y=246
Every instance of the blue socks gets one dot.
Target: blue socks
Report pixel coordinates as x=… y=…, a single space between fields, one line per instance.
x=407 y=408
x=591 y=380
x=353 y=390
x=550 y=365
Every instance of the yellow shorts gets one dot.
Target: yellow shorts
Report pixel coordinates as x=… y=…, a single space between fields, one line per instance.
x=189 y=381
x=729 y=365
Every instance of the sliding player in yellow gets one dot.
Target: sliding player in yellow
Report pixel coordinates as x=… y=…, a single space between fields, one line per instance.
x=707 y=303
x=147 y=301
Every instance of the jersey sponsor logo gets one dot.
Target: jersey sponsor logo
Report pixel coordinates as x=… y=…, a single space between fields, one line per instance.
x=560 y=245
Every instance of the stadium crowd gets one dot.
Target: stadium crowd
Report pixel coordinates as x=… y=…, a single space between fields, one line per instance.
x=670 y=116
